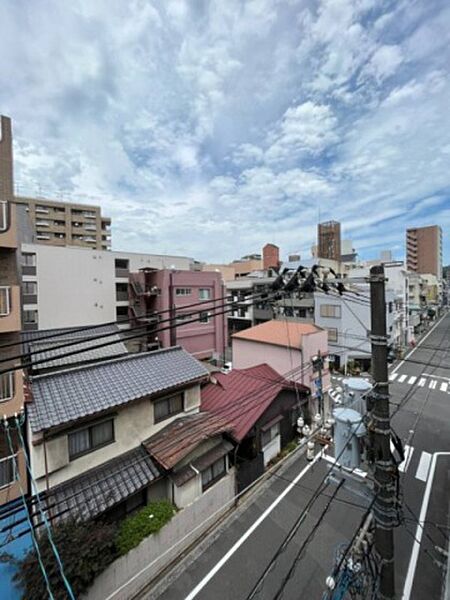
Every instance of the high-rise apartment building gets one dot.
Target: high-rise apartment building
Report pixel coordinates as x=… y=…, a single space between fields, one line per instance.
x=66 y=224
x=424 y=250
x=329 y=240
x=12 y=460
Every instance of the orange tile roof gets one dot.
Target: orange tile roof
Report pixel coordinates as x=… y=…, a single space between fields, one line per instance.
x=278 y=333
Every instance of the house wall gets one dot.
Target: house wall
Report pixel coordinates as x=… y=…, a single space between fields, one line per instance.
x=133 y=424
x=142 y=564
x=203 y=340
x=77 y=286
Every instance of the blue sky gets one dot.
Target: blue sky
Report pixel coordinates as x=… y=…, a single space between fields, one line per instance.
x=210 y=128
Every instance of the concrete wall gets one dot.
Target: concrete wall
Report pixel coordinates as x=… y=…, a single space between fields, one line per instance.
x=157 y=551
x=133 y=424
x=76 y=286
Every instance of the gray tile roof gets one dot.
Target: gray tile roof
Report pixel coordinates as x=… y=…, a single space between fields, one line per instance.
x=103 y=487
x=86 y=351
x=66 y=396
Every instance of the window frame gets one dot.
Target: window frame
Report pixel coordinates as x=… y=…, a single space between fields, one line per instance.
x=334 y=332
x=183 y=291
x=26 y=322
x=12 y=460
x=4 y=225
x=89 y=429
x=201 y=296
x=324 y=309
x=210 y=470
x=7 y=304
x=11 y=378
x=24 y=288
x=204 y=316
x=270 y=431
x=171 y=413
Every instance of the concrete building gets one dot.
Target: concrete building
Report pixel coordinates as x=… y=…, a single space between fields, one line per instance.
x=171 y=294
x=271 y=257
x=424 y=250
x=329 y=240
x=67 y=224
x=12 y=463
x=70 y=287
x=236 y=269
x=102 y=436
x=288 y=347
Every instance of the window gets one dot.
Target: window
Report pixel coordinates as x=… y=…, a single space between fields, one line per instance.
x=28 y=259
x=204 y=293
x=89 y=439
x=30 y=317
x=122 y=263
x=5 y=301
x=184 y=317
x=167 y=407
x=332 y=334
x=270 y=434
x=330 y=310
x=204 y=317
x=183 y=291
x=3 y=215
x=390 y=307
x=6 y=386
x=121 y=313
x=29 y=288
x=213 y=473
x=7 y=471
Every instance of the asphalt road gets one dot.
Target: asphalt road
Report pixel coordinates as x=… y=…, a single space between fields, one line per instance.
x=229 y=568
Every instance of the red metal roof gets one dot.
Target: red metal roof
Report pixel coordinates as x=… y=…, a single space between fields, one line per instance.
x=243 y=395
x=178 y=439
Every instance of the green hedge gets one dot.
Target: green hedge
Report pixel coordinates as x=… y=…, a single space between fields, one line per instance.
x=147 y=521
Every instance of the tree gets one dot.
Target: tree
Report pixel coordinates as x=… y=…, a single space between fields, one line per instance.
x=86 y=549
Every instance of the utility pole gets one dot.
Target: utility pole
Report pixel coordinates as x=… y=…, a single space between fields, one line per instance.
x=384 y=508
x=317 y=363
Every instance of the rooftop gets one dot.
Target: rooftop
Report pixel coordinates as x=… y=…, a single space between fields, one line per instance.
x=178 y=439
x=66 y=396
x=243 y=395
x=278 y=333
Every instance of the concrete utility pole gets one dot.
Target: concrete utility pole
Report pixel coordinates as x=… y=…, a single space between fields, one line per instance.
x=384 y=509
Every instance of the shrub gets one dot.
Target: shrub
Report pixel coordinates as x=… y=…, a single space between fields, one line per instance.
x=147 y=521
x=86 y=549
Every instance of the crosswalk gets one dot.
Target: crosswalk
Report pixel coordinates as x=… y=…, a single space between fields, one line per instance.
x=419 y=467
x=433 y=383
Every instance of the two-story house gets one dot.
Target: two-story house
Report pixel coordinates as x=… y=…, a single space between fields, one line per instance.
x=92 y=429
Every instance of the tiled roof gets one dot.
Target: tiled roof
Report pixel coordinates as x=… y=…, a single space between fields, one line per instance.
x=35 y=341
x=103 y=487
x=63 y=397
x=278 y=333
x=243 y=395
x=181 y=437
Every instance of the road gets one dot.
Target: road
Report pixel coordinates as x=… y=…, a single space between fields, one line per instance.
x=229 y=568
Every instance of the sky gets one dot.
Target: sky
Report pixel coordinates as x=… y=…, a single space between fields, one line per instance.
x=209 y=128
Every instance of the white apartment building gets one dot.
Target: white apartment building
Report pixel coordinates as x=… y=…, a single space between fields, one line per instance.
x=72 y=287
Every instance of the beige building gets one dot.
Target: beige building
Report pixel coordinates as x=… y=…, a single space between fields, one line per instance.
x=424 y=250
x=11 y=383
x=66 y=224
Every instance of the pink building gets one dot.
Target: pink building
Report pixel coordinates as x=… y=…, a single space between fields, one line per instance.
x=171 y=294
x=288 y=347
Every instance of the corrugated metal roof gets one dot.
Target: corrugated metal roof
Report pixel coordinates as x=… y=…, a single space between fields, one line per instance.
x=243 y=395
x=101 y=488
x=173 y=443
x=278 y=333
x=63 y=397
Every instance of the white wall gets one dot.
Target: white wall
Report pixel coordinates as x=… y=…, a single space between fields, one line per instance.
x=133 y=424
x=76 y=286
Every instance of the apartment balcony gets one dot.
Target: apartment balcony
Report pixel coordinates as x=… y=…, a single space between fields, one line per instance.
x=9 y=308
x=8 y=228
x=12 y=471
x=11 y=393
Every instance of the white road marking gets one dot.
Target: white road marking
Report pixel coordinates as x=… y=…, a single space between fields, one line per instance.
x=393 y=376
x=424 y=465
x=437 y=376
x=198 y=588
x=402 y=378
x=419 y=530
x=408 y=455
x=421 y=382
x=419 y=344
x=332 y=460
x=444 y=386
x=412 y=380
x=433 y=384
